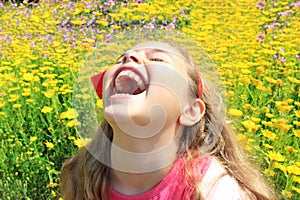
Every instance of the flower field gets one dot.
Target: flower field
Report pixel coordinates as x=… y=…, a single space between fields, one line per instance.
x=255 y=45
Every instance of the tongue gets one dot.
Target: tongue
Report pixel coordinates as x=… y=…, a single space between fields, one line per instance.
x=125 y=84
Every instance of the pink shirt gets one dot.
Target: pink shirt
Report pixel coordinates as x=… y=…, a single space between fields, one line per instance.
x=175 y=185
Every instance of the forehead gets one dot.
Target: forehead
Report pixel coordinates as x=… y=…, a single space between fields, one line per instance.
x=163 y=47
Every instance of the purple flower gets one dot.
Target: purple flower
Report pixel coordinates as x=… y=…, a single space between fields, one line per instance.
x=260 y=36
x=298 y=56
x=286 y=13
x=275 y=56
x=296 y=4
x=281 y=49
x=282 y=59
x=260 y=3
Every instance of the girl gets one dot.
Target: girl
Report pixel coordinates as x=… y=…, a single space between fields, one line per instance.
x=163 y=136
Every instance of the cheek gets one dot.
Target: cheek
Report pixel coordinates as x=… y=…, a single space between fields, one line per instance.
x=166 y=98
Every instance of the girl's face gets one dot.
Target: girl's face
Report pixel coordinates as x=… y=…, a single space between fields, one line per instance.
x=146 y=89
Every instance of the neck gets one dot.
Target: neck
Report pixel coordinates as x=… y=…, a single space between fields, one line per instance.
x=139 y=164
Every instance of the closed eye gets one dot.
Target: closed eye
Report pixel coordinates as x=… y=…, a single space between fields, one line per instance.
x=157 y=59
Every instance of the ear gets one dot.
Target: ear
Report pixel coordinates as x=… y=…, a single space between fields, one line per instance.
x=192 y=113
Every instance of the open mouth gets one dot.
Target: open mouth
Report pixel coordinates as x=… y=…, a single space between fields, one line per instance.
x=129 y=81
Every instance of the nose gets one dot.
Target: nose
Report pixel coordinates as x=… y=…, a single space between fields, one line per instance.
x=132 y=56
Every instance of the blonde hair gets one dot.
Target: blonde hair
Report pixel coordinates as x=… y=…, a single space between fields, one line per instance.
x=85 y=177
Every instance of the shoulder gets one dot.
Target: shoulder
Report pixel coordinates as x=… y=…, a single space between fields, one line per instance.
x=217 y=184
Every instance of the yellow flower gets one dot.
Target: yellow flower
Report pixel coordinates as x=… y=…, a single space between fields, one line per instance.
x=17 y=105
x=73 y=123
x=250 y=126
x=255 y=119
x=46 y=109
x=297 y=113
x=33 y=138
x=71 y=113
x=268 y=146
x=296 y=179
x=49 y=145
x=78 y=22
x=53 y=193
x=275 y=156
x=297 y=132
x=82 y=142
x=235 y=112
x=280 y=166
x=13 y=97
x=269 y=115
x=71 y=138
x=99 y=103
x=102 y=23
x=51 y=185
x=268 y=134
x=296 y=189
x=49 y=94
x=297 y=123
x=2 y=104
x=248 y=107
x=29 y=100
x=293 y=169
x=28 y=76
x=229 y=94
x=290 y=149
x=286 y=193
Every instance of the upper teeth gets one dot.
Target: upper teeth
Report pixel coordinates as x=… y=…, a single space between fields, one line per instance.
x=133 y=76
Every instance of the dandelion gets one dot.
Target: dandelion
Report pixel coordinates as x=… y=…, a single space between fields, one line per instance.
x=102 y=23
x=250 y=126
x=268 y=134
x=53 y=193
x=275 y=156
x=248 y=107
x=297 y=113
x=46 y=109
x=268 y=146
x=235 y=112
x=13 y=97
x=99 y=103
x=296 y=189
x=297 y=123
x=296 y=179
x=17 y=105
x=286 y=193
x=73 y=123
x=293 y=169
x=71 y=113
x=82 y=142
x=280 y=166
x=51 y=185
x=296 y=132
x=290 y=149
x=28 y=76
x=33 y=138
x=49 y=145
